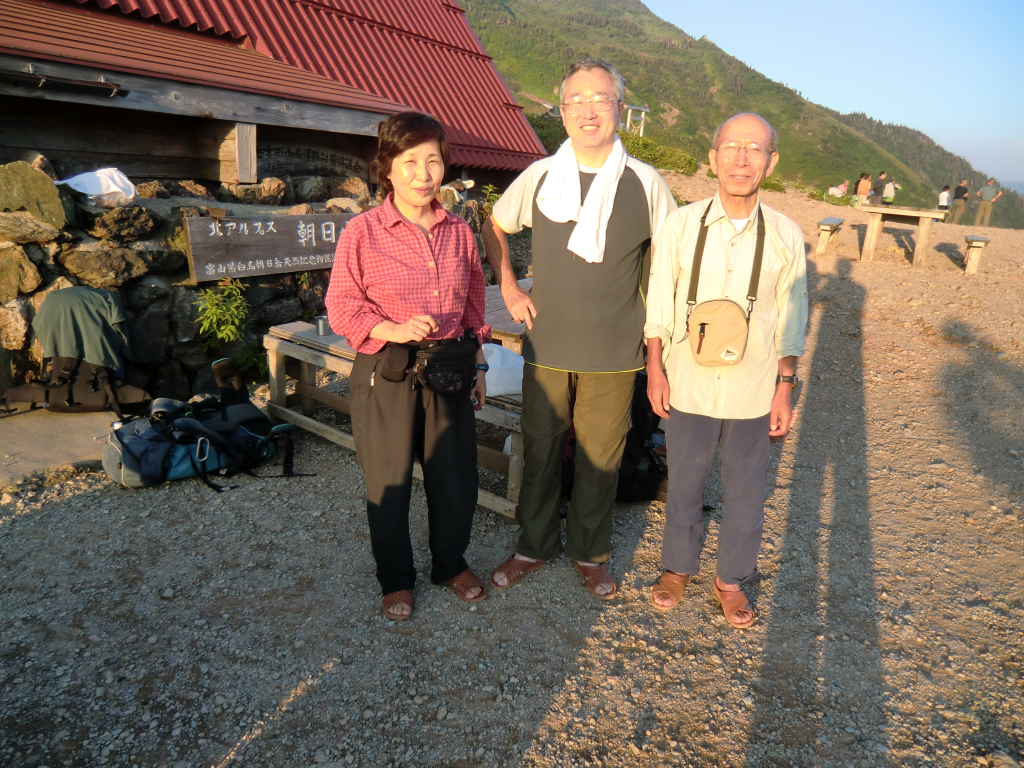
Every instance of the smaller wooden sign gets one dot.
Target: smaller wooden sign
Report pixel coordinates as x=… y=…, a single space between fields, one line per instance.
x=269 y=245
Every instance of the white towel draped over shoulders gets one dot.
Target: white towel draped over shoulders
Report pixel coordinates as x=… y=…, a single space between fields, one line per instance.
x=560 y=196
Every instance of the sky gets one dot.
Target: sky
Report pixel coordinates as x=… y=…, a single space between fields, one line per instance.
x=952 y=70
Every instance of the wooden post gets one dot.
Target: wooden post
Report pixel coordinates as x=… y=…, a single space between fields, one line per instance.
x=924 y=233
x=871 y=237
x=823 y=239
x=972 y=259
x=515 y=468
x=278 y=378
x=307 y=375
x=245 y=152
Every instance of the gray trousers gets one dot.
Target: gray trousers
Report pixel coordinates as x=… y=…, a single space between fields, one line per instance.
x=692 y=442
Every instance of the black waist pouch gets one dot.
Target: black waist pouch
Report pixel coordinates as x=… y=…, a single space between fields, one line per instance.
x=396 y=362
x=448 y=369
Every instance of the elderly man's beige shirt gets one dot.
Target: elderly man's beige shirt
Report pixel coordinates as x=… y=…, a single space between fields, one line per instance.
x=778 y=324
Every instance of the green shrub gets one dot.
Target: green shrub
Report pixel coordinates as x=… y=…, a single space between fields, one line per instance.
x=679 y=201
x=667 y=158
x=252 y=358
x=224 y=313
x=549 y=130
x=772 y=185
x=815 y=194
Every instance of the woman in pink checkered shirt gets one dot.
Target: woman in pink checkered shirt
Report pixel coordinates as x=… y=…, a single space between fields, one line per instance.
x=407 y=289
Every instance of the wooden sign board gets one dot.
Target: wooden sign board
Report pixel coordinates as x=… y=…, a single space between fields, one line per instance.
x=268 y=245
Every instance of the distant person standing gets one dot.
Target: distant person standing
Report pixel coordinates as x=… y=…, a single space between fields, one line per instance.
x=944 y=197
x=863 y=189
x=889 y=191
x=959 y=202
x=988 y=194
x=876 y=189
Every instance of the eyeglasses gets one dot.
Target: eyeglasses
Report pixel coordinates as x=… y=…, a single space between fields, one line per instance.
x=753 y=151
x=600 y=103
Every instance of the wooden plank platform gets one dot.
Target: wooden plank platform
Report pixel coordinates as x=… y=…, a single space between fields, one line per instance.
x=293 y=342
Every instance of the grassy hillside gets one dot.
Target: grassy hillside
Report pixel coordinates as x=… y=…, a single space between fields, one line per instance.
x=935 y=165
x=690 y=86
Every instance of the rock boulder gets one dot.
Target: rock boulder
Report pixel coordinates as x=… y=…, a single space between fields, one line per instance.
x=147 y=290
x=102 y=266
x=151 y=190
x=150 y=334
x=279 y=311
x=169 y=381
x=184 y=315
x=23 y=188
x=121 y=225
x=15 y=323
x=342 y=205
x=23 y=227
x=350 y=186
x=189 y=188
x=17 y=272
x=270 y=191
x=158 y=258
x=311 y=189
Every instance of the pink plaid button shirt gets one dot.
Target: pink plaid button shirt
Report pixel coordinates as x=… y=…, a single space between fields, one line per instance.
x=385 y=269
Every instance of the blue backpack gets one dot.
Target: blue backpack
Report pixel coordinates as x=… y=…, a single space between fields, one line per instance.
x=176 y=440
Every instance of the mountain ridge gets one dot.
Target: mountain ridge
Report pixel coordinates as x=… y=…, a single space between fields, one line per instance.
x=691 y=85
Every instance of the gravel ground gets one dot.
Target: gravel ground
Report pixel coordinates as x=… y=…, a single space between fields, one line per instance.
x=181 y=628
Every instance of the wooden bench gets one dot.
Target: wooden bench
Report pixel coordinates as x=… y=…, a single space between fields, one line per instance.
x=295 y=349
x=879 y=214
x=827 y=227
x=975 y=245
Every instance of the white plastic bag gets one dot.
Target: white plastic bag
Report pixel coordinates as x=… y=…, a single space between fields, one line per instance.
x=105 y=188
x=505 y=376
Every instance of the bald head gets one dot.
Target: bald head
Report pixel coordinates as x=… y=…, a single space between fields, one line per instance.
x=746 y=122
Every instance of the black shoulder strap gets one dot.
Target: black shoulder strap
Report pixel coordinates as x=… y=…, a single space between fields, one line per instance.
x=103 y=376
x=698 y=257
x=755 y=272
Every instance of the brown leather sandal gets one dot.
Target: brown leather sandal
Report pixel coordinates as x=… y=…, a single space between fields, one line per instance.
x=462 y=583
x=594 y=575
x=514 y=570
x=732 y=602
x=671 y=584
x=401 y=597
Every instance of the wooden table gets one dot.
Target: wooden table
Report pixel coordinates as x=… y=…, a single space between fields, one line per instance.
x=294 y=349
x=879 y=214
x=504 y=329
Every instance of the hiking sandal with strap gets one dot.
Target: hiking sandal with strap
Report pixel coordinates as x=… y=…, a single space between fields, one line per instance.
x=462 y=583
x=672 y=585
x=401 y=597
x=514 y=570
x=731 y=603
x=594 y=575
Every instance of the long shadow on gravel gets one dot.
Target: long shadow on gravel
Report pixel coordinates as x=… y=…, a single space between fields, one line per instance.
x=182 y=628
x=818 y=701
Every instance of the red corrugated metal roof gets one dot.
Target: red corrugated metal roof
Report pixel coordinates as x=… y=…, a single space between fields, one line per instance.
x=417 y=52
x=59 y=32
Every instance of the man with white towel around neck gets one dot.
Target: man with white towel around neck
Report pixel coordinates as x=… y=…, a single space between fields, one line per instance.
x=736 y=406
x=594 y=212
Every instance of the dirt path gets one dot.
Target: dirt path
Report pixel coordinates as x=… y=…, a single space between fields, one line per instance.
x=179 y=628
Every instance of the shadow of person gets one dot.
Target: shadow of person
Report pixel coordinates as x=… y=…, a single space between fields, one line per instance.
x=988 y=401
x=819 y=694
x=952 y=252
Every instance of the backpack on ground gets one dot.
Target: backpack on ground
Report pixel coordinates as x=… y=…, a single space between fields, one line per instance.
x=175 y=440
x=71 y=385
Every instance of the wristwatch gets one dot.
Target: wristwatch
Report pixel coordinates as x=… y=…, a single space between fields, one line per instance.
x=793 y=380
x=483 y=367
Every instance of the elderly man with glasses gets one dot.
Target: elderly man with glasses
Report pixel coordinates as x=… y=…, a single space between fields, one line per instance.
x=747 y=253
x=594 y=212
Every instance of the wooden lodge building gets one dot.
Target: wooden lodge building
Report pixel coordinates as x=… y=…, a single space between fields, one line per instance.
x=237 y=90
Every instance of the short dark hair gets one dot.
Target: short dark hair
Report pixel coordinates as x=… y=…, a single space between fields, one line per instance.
x=946 y=188
x=400 y=133
x=881 y=173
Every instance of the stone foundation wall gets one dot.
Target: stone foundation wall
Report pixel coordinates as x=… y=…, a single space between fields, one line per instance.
x=49 y=242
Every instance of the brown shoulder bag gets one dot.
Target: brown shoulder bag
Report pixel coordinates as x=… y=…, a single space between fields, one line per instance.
x=718 y=328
